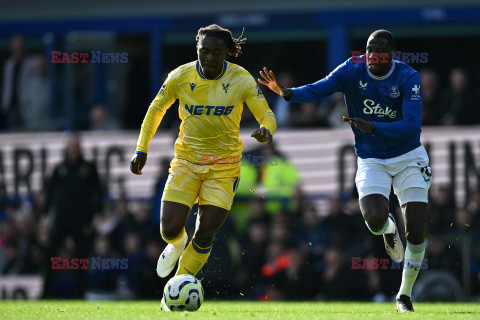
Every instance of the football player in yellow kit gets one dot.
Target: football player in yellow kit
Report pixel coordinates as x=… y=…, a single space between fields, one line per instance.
x=206 y=167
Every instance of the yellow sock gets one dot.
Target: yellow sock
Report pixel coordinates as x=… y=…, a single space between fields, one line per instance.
x=193 y=258
x=175 y=240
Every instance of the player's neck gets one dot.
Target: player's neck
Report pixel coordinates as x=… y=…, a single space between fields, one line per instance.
x=211 y=76
x=383 y=72
x=384 y=75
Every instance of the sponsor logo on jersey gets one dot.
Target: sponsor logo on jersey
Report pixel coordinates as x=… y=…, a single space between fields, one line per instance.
x=362 y=85
x=197 y=110
x=394 y=92
x=192 y=86
x=225 y=87
x=371 y=108
x=416 y=93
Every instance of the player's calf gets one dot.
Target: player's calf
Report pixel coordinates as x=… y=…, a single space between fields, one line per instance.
x=170 y=255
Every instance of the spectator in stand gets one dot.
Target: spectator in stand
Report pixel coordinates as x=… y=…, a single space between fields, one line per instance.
x=35 y=102
x=431 y=98
x=280 y=179
x=146 y=284
x=100 y=119
x=442 y=211
x=136 y=257
x=299 y=277
x=11 y=260
x=332 y=110
x=309 y=117
x=253 y=257
x=74 y=196
x=16 y=72
x=103 y=281
x=460 y=106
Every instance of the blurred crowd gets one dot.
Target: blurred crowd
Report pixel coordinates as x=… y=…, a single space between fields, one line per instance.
x=30 y=103
x=277 y=244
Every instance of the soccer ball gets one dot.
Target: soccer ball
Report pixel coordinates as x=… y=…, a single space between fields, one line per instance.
x=182 y=293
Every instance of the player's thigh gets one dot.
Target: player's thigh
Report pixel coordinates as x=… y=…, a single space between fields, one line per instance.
x=412 y=183
x=218 y=192
x=181 y=191
x=183 y=184
x=372 y=178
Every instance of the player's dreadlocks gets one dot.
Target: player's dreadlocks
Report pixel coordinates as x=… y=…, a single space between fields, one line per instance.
x=234 y=45
x=386 y=35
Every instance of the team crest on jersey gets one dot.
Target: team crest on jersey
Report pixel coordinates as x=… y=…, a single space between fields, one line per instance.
x=362 y=85
x=259 y=92
x=225 y=87
x=192 y=86
x=394 y=92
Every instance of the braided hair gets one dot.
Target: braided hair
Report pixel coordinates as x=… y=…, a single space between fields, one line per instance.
x=234 y=45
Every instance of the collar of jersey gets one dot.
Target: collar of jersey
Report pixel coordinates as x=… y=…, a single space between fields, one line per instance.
x=219 y=76
x=382 y=77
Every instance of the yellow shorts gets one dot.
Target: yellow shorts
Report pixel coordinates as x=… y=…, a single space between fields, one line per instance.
x=208 y=184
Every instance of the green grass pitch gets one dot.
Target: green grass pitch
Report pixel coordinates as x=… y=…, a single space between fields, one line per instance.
x=61 y=309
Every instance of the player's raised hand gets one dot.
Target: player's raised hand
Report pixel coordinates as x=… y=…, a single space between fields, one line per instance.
x=262 y=135
x=365 y=126
x=137 y=163
x=270 y=81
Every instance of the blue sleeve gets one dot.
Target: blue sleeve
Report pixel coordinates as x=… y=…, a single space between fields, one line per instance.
x=409 y=126
x=324 y=87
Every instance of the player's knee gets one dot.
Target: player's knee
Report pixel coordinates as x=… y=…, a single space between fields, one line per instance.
x=375 y=219
x=415 y=234
x=170 y=230
x=204 y=236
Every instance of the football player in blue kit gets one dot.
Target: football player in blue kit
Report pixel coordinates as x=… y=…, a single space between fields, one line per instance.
x=382 y=96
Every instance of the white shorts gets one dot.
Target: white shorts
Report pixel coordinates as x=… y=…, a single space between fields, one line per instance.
x=410 y=170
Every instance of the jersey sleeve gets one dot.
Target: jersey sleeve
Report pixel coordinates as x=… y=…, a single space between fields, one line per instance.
x=410 y=126
x=256 y=102
x=163 y=100
x=332 y=83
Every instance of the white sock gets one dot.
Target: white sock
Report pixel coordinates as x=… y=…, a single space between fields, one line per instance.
x=411 y=267
x=389 y=227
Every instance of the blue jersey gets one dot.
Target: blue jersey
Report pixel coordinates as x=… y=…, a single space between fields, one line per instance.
x=392 y=102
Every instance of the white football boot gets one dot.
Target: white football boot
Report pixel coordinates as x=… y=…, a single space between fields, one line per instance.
x=169 y=257
x=393 y=243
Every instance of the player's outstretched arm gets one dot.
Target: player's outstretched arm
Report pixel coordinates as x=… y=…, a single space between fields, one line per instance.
x=262 y=135
x=138 y=162
x=270 y=80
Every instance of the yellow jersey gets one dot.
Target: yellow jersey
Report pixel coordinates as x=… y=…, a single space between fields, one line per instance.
x=210 y=111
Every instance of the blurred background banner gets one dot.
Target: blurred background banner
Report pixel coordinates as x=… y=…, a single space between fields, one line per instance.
x=77 y=79
x=325 y=159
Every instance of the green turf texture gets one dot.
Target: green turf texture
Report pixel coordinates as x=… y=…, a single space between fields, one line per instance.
x=232 y=310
